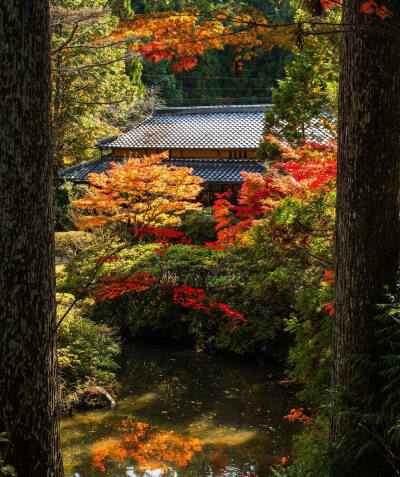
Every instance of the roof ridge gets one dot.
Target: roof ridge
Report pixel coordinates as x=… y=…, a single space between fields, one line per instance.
x=212 y=159
x=231 y=108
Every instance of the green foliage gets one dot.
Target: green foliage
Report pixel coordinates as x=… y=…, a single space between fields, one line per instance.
x=295 y=470
x=199 y=226
x=372 y=443
x=306 y=228
x=310 y=357
x=312 y=450
x=61 y=208
x=5 y=469
x=122 y=8
x=86 y=351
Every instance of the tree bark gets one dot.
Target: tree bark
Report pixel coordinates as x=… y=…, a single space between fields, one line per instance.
x=367 y=221
x=27 y=283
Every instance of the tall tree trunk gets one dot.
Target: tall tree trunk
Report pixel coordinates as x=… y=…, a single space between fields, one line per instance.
x=27 y=284
x=367 y=222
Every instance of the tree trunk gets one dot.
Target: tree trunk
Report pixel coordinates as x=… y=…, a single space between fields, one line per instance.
x=367 y=221
x=28 y=404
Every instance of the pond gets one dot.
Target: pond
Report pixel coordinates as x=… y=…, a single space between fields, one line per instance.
x=183 y=414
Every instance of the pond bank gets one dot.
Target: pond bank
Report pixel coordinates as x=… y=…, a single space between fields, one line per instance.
x=181 y=413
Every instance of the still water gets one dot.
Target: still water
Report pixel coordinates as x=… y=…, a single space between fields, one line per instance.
x=183 y=414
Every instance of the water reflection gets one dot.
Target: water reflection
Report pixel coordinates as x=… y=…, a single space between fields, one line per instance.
x=150 y=448
x=182 y=414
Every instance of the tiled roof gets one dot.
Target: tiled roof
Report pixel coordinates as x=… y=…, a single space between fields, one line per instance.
x=219 y=170
x=207 y=127
x=211 y=170
x=201 y=127
x=80 y=172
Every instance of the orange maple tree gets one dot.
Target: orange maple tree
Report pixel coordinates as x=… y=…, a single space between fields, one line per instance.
x=141 y=192
x=182 y=36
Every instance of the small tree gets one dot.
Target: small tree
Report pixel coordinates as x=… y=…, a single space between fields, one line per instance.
x=142 y=192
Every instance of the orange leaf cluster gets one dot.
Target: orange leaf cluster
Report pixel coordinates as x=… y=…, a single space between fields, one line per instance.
x=142 y=192
x=182 y=36
x=372 y=8
x=329 y=277
x=150 y=447
x=298 y=415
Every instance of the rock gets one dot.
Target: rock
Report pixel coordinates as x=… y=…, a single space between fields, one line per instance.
x=96 y=397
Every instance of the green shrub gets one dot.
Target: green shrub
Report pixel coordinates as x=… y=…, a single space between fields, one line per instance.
x=244 y=278
x=5 y=469
x=69 y=244
x=86 y=351
x=64 y=211
x=199 y=226
x=311 y=355
x=295 y=470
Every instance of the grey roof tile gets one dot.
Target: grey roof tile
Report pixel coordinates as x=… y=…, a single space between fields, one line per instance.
x=209 y=169
x=207 y=127
x=201 y=127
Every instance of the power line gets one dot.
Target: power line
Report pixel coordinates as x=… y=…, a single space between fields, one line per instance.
x=207 y=77
x=223 y=88
x=221 y=99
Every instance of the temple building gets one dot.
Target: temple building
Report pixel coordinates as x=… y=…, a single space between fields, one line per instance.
x=217 y=142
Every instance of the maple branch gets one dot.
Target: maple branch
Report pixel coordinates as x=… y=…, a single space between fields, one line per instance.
x=61 y=47
x=101 y=45
x=321 y=259
x=127 y=56
x=91 y=15
x=67 y=100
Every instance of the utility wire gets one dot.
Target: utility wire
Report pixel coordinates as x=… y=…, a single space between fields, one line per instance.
x=208 y=77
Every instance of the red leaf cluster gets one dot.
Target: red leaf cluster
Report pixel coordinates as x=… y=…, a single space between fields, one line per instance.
x=197 y=299
x=330 y=308
x=310 y=168
x=110 y=287
x=162 y=236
